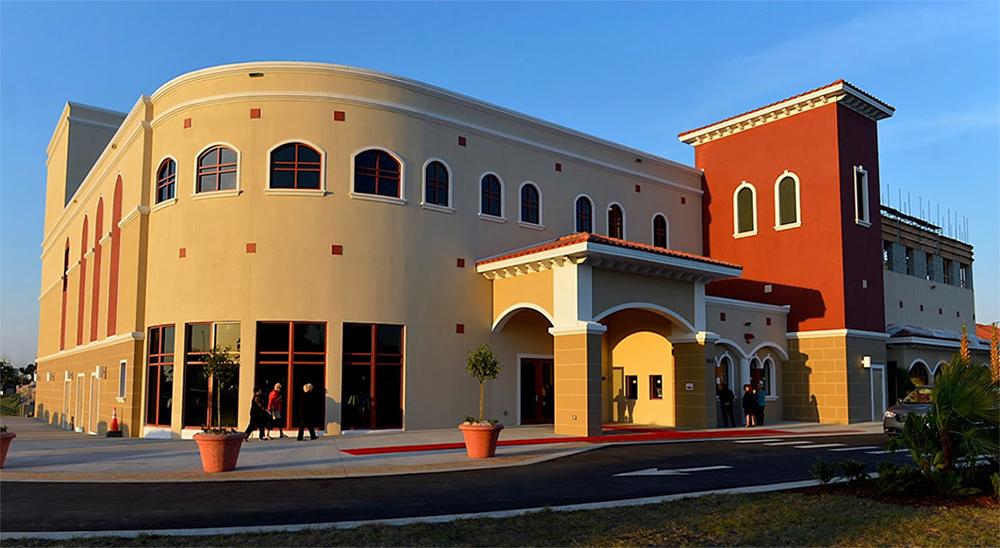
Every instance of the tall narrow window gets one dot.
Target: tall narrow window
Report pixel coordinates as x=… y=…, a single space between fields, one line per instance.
x=887 y=254
x=200 y=391
x=82 y=297
x=929 y=264
x=745 y=210
x=946 y=274
x=786 y=201
x=166 y=180
x=160 y=375
x=660 y=234
x=122 y=376
x=530 y=204
x=295 y=166
x=584 y=215
x=293 y=354
x=377 y=172
x=616 y=221
x=491 y=193
x=964 y=279
x=861 y=215
x=436 y=181
x=217 y=169
x=911 y=267
x=372 y=384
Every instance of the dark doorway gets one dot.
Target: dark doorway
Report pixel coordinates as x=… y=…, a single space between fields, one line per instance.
x=373 y=376
x=537 y=391
x=292 y=354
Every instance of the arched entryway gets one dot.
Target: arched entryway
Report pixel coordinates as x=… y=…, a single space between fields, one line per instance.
x=523 y=344
x=920 y=373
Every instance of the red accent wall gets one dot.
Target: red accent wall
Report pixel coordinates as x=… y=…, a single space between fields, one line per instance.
x=807 y=267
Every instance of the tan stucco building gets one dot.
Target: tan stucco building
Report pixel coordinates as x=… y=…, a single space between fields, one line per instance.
x=362 y=232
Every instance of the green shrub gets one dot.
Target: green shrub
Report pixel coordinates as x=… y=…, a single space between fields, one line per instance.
x=823 y=471
x=854 y=470
x=894 y=479
x=951 y=483
x=995 y=480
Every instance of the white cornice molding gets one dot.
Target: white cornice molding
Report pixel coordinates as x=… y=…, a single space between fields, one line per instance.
x=413 y=85
x=455 y=123
x=827 y=333
x=582 y=328
x=941 y=343
x=747 y=305
x=109 y=341
x=700 y=337
x=841 y=92
x=131 y=215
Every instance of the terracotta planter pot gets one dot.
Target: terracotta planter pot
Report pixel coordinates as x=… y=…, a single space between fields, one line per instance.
x=5 y=439
x=219 y=452
x=481 y=439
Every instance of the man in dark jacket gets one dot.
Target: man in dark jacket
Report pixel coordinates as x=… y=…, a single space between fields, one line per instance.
x=726 y=399
x=308 y=405
x=749 y=406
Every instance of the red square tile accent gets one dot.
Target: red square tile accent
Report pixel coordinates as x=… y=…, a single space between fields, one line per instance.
x=339 y=116
x=459 y=328
x=638 y=188
x=187 y=123
x=255 y=113
x=336 y=249
x=460 y=263
x=182 y=252
x=251 y=247
x=461 y=141
x=684 y=200
x=558 y=166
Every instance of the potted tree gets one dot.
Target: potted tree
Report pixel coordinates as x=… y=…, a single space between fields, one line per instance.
x=219 y=447
x=5 y=439
x=481 y=435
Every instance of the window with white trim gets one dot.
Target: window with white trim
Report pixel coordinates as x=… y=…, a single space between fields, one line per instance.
x=861 y=213
x=786 y=201
x=745 y=210
x=122 y=376
x=531 y=204
x=660 y=231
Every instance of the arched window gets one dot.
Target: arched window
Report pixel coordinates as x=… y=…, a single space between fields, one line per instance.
x=920 y=374
x=216 y=169
x=377 y=172
x=745 y=210
x=436 y=182
x=166 y=180
x=584 y=215
x=660 y=233
x=616 y=221
x=722 y=371
x=95 y=297
x=531 y=204
x=491 y=191
x=786 y=201
x=296 y=166
x=767 y=376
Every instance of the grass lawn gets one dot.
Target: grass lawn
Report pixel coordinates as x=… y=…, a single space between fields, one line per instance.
x=772 y=519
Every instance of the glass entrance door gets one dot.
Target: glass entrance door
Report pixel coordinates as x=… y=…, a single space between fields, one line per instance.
x=372 y=376
x=537 y=391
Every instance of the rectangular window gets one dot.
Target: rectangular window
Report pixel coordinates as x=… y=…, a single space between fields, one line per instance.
x=929 y=261
x=656 y=387
x=293 y=354
x=861 y=215
x=373 y=376
x=963 y=276
x=200 y=391
x=946 y=272
x=910 y=266
x=887 y=254
x=631 y=387
x=160 y=375
x=122 y=375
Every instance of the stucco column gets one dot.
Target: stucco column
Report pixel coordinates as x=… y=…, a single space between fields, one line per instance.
x=577 y=364
x=744 y=375
x=694 y=385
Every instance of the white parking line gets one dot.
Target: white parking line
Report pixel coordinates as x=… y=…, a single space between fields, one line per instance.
x=799 y=442
x=885 y=452
x=820 y=446
x=758 y=441
x=858 y=448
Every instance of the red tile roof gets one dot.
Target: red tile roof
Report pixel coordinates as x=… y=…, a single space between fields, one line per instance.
x=984 y=331
x=581 y=237
x=804 y=93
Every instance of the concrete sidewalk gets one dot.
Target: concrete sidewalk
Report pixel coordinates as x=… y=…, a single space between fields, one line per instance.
x=43 y=452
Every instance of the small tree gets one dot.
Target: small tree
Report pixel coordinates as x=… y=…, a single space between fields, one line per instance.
x=221 y=367
x=484 y=366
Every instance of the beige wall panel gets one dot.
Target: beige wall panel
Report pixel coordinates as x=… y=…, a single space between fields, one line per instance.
x=616 y=288
x=933 y=296
x=535 y=289
x=734 y=328
x=577 y=384
x=695 y=407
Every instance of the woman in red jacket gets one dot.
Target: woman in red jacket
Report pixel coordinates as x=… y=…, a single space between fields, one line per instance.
x=275 y=406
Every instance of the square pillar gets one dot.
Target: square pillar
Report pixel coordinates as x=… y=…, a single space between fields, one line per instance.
x=694 y=386
x=577 y=364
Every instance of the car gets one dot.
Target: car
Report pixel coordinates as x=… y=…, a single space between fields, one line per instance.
x=918 y=401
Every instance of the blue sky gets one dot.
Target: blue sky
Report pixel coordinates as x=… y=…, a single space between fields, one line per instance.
x=634 y=73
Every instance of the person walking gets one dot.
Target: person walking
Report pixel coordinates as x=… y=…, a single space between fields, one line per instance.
x=761 y=402
x=275 y=407
x=749 y=402
x=726 y=400
x=258 y=415
x=308 y=406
